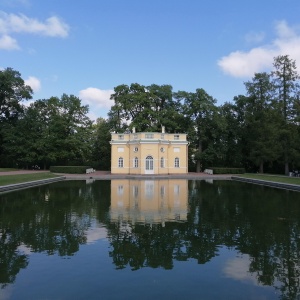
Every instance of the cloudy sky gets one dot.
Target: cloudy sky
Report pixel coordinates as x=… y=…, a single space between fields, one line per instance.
x=86 y=48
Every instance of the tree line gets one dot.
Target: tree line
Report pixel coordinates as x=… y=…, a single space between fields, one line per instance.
x=259 y=130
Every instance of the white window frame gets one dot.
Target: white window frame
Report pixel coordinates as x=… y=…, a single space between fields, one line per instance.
x=176 y=162
x=136 y=162
x=121 y=137
x=176 y=136
x=162 y=162
x=121 y=162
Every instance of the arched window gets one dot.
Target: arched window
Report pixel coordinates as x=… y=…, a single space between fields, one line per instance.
x=136 y=162
x=149 y=163
x=176 y=162
x=162 y=162
x=121 y=162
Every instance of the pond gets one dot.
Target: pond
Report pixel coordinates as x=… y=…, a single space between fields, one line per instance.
x=150 y=239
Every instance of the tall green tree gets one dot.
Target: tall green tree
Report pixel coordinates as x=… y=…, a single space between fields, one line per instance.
x=261 y=121
x=13 y=91
x=22 y=138
x=145 y=107
x=101 y=151
x=51 y=131
x=203 y=120
x=231 y=139
x=286 y=80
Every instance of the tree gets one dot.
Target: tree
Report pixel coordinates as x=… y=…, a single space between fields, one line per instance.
x=21 y=138
x=101 y=152
x=261 y=121
x=51 y=131
x=12 y=91
x=145 y=107
x=202 y=115
x=232 y=146
x=285 y=79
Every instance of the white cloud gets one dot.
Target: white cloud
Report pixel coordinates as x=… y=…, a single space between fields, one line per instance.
x=258 y=59
x=34 y=83
x=53 y=26
x=97 y=97
x=8 y=43
x=12 y=23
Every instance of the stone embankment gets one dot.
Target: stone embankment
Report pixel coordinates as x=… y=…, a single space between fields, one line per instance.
x=22 y=185
x=106 y=175
x=280 y=185
x=101 y=175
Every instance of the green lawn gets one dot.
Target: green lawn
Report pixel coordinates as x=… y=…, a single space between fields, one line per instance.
x=7 y=169
x=274 y=178
x=11 y=179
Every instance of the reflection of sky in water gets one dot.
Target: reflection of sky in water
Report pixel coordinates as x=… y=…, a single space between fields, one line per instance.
x=6 y=293
x=24 y=249
x=150 y=227
x=96 y=232
x=238 y=268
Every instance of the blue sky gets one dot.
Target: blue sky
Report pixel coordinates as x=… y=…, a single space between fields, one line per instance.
x=86 y=48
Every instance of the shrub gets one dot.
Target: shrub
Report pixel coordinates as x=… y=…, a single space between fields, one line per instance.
x=228 y=170
x=69 y=169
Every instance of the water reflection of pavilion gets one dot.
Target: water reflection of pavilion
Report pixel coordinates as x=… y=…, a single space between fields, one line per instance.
x=149 y=201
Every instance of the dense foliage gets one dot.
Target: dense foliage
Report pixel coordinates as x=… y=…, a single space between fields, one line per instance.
x=69 y=169
x=258 y=131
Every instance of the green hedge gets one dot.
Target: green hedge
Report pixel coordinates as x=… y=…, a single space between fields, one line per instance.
x=228 y=170
x=69 y=169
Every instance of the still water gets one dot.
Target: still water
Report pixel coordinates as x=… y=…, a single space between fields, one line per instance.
x=160 y=239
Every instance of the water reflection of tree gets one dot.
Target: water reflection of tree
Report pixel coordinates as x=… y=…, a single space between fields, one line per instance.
x=54 y=219
x=222 y=214
x=51 y=219
x=11 y=260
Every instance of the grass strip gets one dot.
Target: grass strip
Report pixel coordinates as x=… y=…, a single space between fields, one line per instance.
x=273 y=178
x=12 y=179
x=7 y=169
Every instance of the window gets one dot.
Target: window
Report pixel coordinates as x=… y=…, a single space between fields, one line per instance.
x=162 y=149
x=149 y=135
x=121 y=162
x=162 y=136
x=121 y=137
x=120 y=149
x=176 y=162
x=135 y=136
x=176 y=136
x=136 y=162
x=162 y=162
x=136 y=149
x=149 y=163
x=176 y=149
